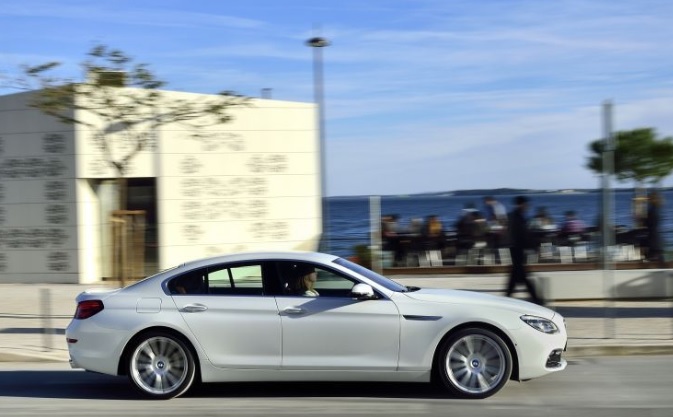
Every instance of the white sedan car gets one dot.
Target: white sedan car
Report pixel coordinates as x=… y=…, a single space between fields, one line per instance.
x=293 y=316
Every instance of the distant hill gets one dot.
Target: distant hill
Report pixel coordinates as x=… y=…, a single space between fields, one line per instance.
x=511 y=191
x=503 y=191
x=517 y=191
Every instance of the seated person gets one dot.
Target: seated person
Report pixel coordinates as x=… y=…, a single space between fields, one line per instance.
x=433 y=233
x=572 y=228
x=304 y=277
x=542 y=220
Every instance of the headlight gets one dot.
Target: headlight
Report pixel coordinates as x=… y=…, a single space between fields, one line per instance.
x=541 y=324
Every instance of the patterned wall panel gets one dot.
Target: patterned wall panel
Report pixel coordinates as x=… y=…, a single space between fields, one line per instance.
x=254 y=186
x=38 y=233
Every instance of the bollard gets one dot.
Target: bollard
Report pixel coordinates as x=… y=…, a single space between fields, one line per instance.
x=609 y=318
x=669 y=295
x=45 y=308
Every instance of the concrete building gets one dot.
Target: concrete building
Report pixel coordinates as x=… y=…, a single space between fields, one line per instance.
x=252 y=184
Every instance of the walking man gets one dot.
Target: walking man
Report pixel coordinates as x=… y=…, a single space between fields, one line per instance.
x=655 y=244
x=518 y=234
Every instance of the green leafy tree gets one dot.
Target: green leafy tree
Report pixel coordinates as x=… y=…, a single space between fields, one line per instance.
x=639 y=156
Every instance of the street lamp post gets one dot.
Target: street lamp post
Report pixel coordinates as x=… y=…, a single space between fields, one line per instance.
x=317 y=43
x=607 y=215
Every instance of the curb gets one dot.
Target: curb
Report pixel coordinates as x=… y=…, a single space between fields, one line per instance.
x=30 y=357
x=618 y=350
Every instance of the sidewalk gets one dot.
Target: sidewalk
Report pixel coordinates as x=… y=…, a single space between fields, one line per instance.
x=33 y=319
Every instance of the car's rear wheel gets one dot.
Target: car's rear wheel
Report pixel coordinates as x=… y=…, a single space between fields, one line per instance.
x=474 y=363
x=161 y=365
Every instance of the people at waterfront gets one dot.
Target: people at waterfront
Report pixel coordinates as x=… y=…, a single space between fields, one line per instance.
x=416 y=226
x=542 y=228
x=495 y=212
x=496 y=220
x=433 y=233
x=519 y=243
x=471 y=227
x=411 y=236
x=639 y=207
x=542 y=220
x=389 y=225
x=390 y=236
x=572 y=224
x=572 y=228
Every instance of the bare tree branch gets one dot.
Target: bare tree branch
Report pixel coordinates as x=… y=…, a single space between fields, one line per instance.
x=134 y=108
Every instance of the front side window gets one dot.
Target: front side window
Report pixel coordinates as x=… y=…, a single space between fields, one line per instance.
x=308 y=280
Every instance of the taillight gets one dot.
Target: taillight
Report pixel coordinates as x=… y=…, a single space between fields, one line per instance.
x=88 y=308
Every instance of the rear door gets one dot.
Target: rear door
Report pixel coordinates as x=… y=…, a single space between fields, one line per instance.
x=234 y=320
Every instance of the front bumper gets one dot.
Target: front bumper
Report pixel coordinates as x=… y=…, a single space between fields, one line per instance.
x=539 y=353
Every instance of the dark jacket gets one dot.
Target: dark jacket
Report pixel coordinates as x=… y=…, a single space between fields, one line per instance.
x=518 y=230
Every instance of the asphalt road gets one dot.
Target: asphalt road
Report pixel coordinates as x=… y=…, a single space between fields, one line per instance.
x=610 y=386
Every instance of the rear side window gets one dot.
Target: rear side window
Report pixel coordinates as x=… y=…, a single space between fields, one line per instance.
x=244 y=279
x=189 y=283
x=220 y=280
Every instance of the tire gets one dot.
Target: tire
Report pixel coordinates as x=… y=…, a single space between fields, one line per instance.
x=161 y=366
x=474 y=363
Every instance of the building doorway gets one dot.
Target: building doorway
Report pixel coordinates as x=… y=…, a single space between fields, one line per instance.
x=129 y=238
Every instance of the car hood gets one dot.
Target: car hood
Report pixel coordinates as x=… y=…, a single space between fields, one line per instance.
x=487 y=300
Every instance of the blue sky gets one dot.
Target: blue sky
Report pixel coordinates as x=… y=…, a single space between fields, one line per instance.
x=421 y=95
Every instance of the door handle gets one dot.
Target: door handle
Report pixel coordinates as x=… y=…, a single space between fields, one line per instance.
x=194 y=308
x=293 y=310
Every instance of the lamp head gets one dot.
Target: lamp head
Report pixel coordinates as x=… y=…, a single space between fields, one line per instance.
x=317 y=42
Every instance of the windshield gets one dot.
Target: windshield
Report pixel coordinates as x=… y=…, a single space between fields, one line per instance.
x=379 y=279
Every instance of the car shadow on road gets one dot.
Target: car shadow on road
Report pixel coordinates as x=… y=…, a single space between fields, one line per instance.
x=320 y=390
x=70 y=384
x=75 y=384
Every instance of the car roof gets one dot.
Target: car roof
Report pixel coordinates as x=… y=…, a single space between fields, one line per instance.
x=261 y=256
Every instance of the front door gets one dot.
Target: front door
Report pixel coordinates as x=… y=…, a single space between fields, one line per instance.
x=330 y=330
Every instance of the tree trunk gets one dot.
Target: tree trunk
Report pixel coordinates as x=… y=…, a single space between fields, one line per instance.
x=120 y=241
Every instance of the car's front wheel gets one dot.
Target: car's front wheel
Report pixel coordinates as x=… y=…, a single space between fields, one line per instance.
x=161 y=365
x=474 y=363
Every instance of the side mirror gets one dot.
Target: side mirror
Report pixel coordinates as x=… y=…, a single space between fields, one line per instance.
x=362 y=292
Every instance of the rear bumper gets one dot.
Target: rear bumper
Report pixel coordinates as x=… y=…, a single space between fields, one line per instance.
x=96 y=348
